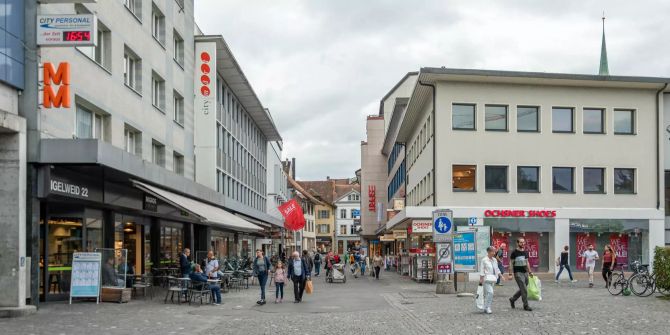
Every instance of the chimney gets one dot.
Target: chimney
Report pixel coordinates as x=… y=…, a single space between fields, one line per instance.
x=293 y=167
x=327 y=177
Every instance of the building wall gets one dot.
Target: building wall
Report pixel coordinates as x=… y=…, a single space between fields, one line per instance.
x=419 y=161
x=11 y=38
x=330 y=221
x=277 y=184
x=348 y=220
x=665 y=137
x=373 y=173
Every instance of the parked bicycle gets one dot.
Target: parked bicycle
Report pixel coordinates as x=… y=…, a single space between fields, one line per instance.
x=618 y=281
x=641 y=283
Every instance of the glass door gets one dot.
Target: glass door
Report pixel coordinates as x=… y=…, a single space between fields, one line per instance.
x=63 y=237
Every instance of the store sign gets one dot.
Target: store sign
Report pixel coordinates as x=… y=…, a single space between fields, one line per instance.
x=519 y=213
x=67 y=30
x=150 y=203
x=355 y=213
x=400 y=234
x=465 y=252
x=52 y=77
x=387 y=238
x=372 y=199
x=398 y=204
x=261 y=241
x=422 y=226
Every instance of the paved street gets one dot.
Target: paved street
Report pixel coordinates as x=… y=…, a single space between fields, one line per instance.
x=392 y=305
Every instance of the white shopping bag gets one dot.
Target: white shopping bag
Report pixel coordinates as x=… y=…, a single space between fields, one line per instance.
x=479 y=297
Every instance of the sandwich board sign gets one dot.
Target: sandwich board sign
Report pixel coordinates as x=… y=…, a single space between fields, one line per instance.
x=85 y=281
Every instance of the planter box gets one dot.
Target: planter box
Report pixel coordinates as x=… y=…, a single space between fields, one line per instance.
x=110 y=294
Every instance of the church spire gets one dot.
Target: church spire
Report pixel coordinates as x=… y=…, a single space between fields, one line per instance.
x=604 y=68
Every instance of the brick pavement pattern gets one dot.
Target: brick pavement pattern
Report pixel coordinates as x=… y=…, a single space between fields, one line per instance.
x=392 y=305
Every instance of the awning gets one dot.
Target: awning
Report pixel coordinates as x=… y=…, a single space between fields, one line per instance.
x=211 y=215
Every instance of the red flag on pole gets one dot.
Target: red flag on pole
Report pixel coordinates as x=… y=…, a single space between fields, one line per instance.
x=293 y=216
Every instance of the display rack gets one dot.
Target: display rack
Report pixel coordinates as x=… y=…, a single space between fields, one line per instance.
x=424 y=268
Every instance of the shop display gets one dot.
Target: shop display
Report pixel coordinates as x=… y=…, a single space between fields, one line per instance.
x=423 y=266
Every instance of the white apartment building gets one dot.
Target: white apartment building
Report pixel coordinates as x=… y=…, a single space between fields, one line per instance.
x=348 y=218
x=559 y=159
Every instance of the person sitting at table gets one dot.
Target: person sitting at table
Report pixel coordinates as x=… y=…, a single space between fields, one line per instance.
x=199 y=277
x=127 y=269
x=109 y=277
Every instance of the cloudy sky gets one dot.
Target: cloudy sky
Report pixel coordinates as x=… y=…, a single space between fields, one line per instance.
x=322 y=66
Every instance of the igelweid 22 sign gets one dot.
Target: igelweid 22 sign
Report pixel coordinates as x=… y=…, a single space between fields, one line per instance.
x=67 y=30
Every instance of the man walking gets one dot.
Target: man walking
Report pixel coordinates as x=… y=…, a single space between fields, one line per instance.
x=521 y=267
x=299 y=274
x=564 y=263
x=261 y=270
x=308 y=260
x=184 y=264
x=317 y=263
x=589 y=260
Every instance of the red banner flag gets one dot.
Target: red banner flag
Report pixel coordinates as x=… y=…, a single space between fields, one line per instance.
x=294 y=219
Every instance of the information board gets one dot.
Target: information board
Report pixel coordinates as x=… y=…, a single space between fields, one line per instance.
x=67 y=30
x=465 y=252
x=85 y=280
x=483 y=238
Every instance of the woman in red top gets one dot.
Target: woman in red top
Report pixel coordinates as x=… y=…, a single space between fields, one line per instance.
x=609 y=260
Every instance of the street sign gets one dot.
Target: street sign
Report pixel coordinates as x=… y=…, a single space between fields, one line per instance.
x=465 y=252
x=444 y=258
x=355 y=213
x=443 y=225
x=472 y=221
x=67 y=30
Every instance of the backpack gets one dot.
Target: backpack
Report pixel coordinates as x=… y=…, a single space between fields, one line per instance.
x=317 y=257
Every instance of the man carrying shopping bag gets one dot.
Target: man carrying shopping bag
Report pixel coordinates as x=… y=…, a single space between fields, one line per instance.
x=488 y=276
x=521 y=267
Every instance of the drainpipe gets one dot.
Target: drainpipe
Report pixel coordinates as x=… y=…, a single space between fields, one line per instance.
x=658 y=146
x=434 y=145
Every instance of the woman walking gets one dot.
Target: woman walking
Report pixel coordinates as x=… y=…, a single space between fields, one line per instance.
x=488 y=275
x=377 y=263
x=609 y=261
x=280 y=279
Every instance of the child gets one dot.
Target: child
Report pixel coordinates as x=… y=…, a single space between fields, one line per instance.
x=280 y=278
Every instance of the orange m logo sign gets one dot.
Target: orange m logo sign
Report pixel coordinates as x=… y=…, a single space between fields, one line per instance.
x=61 y=77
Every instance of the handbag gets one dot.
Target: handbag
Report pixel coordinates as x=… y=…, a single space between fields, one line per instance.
x=479 y=297
x=308 y=287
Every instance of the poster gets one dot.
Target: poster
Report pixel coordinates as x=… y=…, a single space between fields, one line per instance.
x=465 y=252
x=501 y=241
x=533 y=248
x=85 y=274
x=619 y=243
x=583 y=240
x=483 y=238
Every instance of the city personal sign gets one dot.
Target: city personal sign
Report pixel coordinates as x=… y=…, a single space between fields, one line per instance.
x=519 y=213
x=52 y=77
x=67 y=30
x=442 y=225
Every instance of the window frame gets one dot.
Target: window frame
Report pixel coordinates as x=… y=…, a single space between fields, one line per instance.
x=537 y=119
x=492 y=167
x=158 y=148
x=474 y=116
x=177 y=108
x=633 y=122
x=486 y=128
x=474 y=184
x=136 y=9
x=177 y=163
x=572 y=120
x=539 y=179
x=572 y=187
x=132 y=70
x=614 y=184
x=158 y=91
x=602 y=120
x=158 y=25
x=178 y=48
x=602 y=179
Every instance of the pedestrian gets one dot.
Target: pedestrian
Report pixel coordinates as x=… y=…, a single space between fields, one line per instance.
x=489 y=274
x=589 y=258
x=299 y=274
x=317 y=264
x=280 y=279
x=184 y=264
x=366 y=264
x=500 y=254
x=521 y=268
x=377 y=263
x=563 y=261
x=308 y=260
x=261 y=269
x=609 y=262
x=330 y=260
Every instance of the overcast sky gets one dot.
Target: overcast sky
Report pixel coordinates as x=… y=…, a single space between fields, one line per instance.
x=321 y=66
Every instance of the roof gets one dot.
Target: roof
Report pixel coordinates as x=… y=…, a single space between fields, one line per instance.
x=343 y=190
x=322 y=188
x=400 y=104
x=230 y=70
x=381 y=103
x=302 y=191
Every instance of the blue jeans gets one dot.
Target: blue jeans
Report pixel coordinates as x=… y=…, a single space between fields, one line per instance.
x=502 y=270
x=262 y=280
x=279 y=292
x=317 y=268
x=216 y=292
x=566 y=266
x=362 y=268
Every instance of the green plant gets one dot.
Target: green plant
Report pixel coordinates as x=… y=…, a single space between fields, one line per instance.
x=662 y=267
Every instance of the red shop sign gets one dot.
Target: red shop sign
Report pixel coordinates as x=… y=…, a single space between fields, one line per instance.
x=515 y=213
x=372 y=199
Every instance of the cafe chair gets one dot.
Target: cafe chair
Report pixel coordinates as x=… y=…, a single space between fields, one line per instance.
x=178 y=286
x=199 y=290
x=145 y=283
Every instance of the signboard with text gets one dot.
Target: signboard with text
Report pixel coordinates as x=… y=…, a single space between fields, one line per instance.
x=483 y=237
x=422 y=226
x=85 y=281
x=67 y=30
x=465 y=252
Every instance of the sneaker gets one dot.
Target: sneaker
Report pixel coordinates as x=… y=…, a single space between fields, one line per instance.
x=276 y=301
x=556 y=281
x=511 y=303
x=217 y=304
x=260 y=302
x=590 y=285
x=527 y=308
x=574 y=280
x=488 y=311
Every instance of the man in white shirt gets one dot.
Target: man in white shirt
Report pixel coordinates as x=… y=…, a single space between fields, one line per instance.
x=589 y=258
x=212 y=267
x=488 y=275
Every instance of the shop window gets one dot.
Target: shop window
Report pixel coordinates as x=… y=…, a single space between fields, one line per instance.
x=624 y=122
x=563 y=179
x=594 y=121
x=129 y=235
x=171 y=244
x=528 y=179
x=562 y=120
x=624 y=181
x=496 y=178
x=594 y=180
x=495 y=117
x=528 y=119
x=463 y=116
x=64 y=237
x=464 y=177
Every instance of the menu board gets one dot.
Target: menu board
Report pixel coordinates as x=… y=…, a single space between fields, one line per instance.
x=85 y=275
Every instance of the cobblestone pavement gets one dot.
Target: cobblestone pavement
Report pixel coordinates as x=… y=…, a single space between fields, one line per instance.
x=392 y=305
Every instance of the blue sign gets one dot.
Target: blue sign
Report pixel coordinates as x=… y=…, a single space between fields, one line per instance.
x=355 y=213
x=465 y=252
x=472 y=221
x=442 y=225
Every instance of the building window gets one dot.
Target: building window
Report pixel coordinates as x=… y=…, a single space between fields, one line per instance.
x=324 y=229
x=89 y=124
x=343 y=230
x=343 y=213
x=102 y=52
x=594 y=121
x=495 y=117
x=594 y=180
x=563 y=179
x=354 y=197
x=157 y=91
x=132 y=140
x=624 y=122
x=178 y=102
x=158 y=153
x=496 y=178
x=135 y=7
x=324 y=214
x=157 y=25
x=528 y=118
x=178 y=48
x=132 y=70
x=463 y=117
x=528 y=179
x=562 y=120
x=624 y=181
x=178 y=163
x=463 y=177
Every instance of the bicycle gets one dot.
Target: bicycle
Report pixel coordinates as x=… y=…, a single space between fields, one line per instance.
x=618 y=282
x=641 y=283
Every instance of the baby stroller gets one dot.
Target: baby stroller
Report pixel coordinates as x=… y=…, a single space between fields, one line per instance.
x=337 y=274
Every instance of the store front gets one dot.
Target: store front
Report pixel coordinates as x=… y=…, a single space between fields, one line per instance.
x=323 y=244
